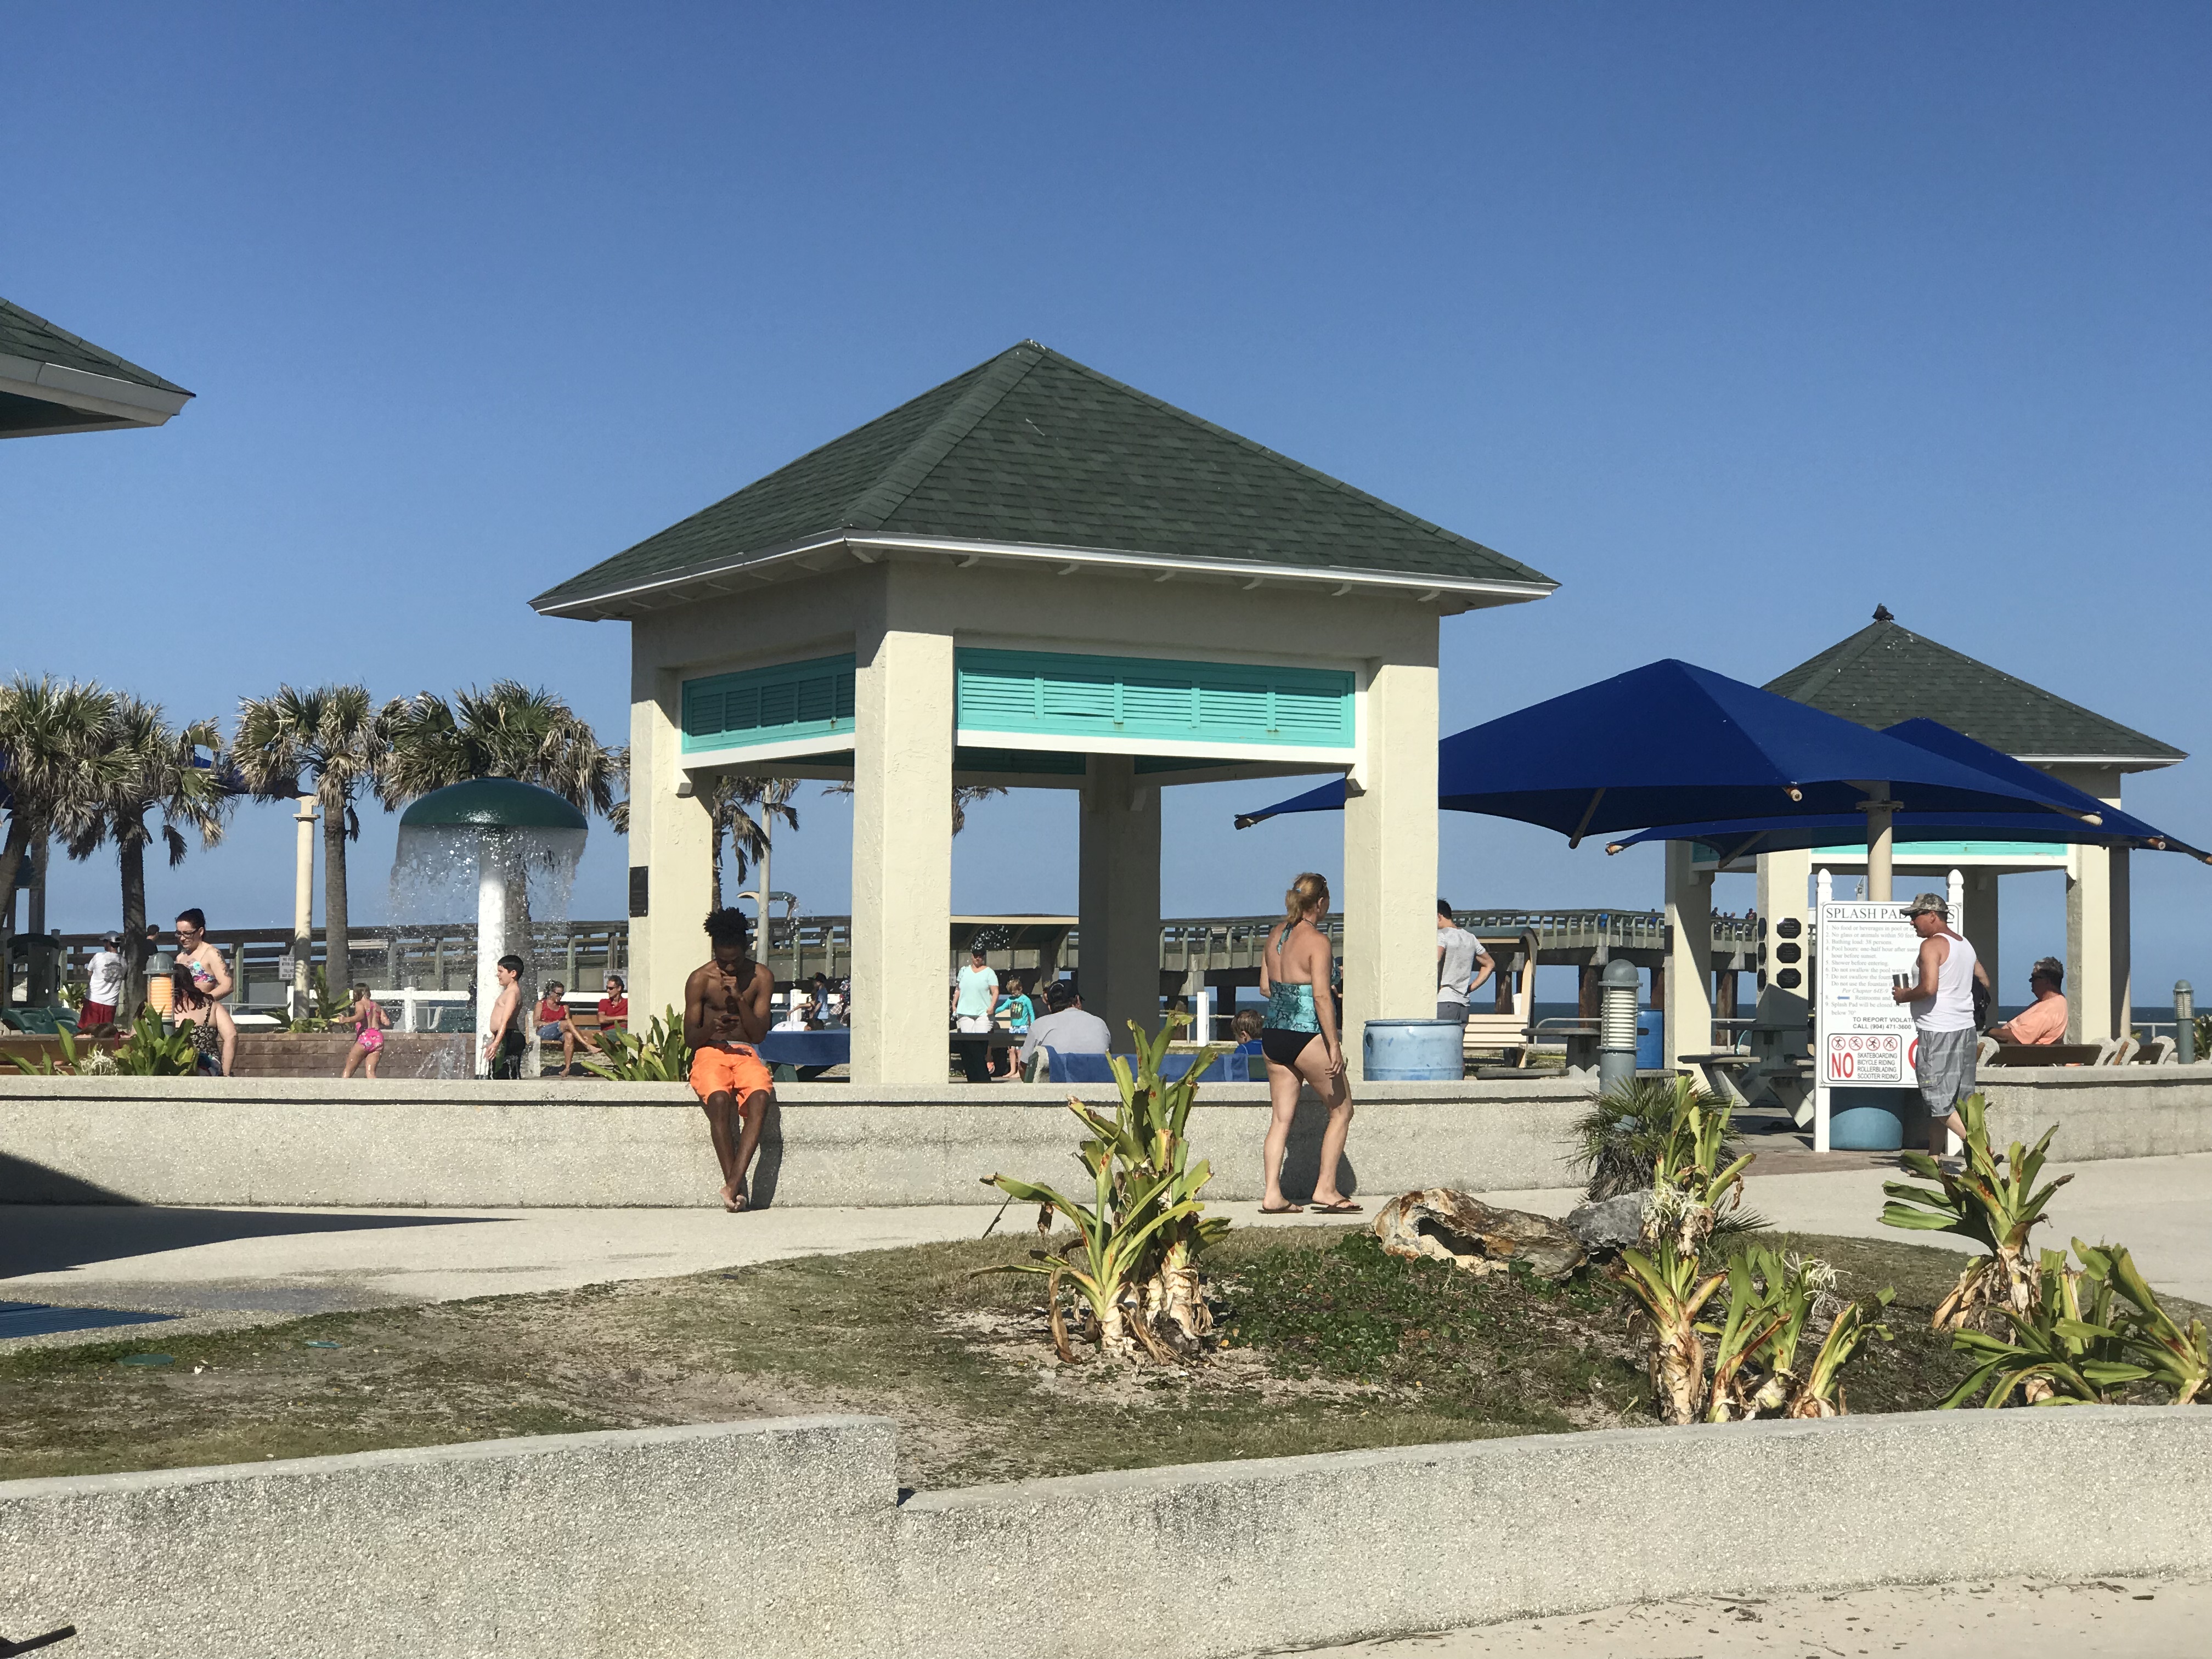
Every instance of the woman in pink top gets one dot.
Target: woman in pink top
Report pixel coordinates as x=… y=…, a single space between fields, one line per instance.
x=2044 y=1020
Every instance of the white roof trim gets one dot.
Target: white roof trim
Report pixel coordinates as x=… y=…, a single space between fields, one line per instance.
x=98 y=394
x=2138 y=761
x=862 y=544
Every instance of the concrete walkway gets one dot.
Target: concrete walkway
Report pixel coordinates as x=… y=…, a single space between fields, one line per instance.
x=292 y=1263
x=2101 y=1619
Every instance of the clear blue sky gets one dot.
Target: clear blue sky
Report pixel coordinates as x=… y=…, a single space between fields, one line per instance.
x=1736 y=319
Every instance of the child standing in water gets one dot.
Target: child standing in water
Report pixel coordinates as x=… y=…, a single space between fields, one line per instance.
x=369 y=1020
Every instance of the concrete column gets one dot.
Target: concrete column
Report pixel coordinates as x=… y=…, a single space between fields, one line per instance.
x=668 y=843
x=901 y=854
x=1980 y=928
x=1389 y=898
x=1118 y=898
x=2090 y=977
x=1689 y=955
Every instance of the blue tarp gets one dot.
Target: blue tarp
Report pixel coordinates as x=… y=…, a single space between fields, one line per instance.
x=1672 y=742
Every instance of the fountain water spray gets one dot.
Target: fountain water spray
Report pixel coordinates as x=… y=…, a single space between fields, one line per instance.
x=512 y=846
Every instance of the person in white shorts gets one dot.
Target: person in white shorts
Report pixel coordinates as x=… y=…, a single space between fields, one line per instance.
x=1942 y=1001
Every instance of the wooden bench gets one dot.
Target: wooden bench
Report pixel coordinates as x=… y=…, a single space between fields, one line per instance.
x=1488 y=1031
x=2046 y=1053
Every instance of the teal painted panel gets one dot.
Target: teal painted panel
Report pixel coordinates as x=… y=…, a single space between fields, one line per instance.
x=1062 y=695
x=769 y=705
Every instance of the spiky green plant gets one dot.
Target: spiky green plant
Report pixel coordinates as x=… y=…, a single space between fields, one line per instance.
x=43 y=1065
x=150 y=1051
x=2061 y=1350
x=2176 y=1356
x=659 y=1055
x=1134 y=1263
x=1667 y=1282
x=1997 y=1208
x=1772 y=1301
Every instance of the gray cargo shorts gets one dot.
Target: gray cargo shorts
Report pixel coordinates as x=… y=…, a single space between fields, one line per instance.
x=1945 y=1069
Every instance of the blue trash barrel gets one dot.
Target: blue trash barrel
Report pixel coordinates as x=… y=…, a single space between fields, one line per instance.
x=1650 y=1040
x=1411 y=1051
x=1874 y=1120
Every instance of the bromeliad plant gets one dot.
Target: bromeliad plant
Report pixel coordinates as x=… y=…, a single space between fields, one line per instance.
x=1772 y=1299
x=2069 y=1349
x=1134 y=1263
x=660 y=1055
x=1997 y=1208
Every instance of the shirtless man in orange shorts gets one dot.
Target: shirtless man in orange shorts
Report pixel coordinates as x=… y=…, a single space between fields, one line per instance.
x=724 y=1013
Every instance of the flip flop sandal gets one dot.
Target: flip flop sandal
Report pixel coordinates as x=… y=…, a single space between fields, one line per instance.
x=1342 y=1206
x=1287 y=1209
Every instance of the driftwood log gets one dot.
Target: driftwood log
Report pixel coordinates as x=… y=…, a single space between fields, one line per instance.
x=1461 y=1229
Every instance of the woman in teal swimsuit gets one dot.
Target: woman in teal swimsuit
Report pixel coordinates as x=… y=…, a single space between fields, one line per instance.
x=1299 y=1040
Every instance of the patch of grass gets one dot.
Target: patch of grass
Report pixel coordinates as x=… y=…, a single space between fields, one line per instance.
x=1508 y=1348
x=1333 y=1346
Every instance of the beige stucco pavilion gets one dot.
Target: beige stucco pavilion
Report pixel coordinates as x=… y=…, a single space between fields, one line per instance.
x=1033 y=576
x=1879 y=675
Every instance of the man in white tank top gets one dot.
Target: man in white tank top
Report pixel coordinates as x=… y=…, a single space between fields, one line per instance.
x=1942 y=1001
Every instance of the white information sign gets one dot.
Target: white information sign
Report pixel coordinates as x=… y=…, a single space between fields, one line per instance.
x=1862 y=1037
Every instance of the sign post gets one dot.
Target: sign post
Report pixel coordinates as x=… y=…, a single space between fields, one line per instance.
x=1862 y=1038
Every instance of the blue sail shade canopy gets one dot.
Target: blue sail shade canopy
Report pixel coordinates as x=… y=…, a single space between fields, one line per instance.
x=1671 y=742
x=1737 y=838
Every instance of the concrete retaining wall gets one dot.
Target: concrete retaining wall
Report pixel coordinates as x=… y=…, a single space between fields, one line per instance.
x=2103 y=1111
x=789 y=1537
x=415 y=1142
x=559 y=1144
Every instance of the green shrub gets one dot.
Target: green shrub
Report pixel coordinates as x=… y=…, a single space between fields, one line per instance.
x=660 y=1055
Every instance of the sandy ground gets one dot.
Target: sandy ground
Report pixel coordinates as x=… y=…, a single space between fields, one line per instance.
x=2098 y=1619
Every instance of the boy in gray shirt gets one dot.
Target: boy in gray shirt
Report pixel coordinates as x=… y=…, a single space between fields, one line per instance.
x=1461 y=965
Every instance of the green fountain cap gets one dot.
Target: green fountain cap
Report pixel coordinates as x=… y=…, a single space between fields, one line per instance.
x=492 y=803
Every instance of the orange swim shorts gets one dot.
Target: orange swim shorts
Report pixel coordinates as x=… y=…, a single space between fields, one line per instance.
x=735 y=1071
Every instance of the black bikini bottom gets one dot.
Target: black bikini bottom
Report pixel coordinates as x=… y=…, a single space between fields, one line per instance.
x=1283 y=1047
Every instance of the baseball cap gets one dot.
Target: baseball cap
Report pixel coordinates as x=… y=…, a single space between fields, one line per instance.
x=1929 y=904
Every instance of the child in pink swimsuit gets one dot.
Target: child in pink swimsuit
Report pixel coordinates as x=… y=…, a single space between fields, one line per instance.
x=368 y=1020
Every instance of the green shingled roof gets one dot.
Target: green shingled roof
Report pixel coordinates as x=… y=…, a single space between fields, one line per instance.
x=1031 y=447
x=1886 y=672
x=24 y=335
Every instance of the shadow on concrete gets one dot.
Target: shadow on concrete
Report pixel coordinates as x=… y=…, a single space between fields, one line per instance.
x=768 y=1167
x=1302 y=1157
x=23 y=1181
x=44 y=1239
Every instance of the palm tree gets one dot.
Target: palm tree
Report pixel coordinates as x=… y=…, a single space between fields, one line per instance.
x=156 y=769
x=511 y=731
x=55 y=760
x=965 y=795
x=732 y=804
x=333 y=732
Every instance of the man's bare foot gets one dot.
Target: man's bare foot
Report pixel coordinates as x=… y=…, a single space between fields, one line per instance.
x=734 y=1198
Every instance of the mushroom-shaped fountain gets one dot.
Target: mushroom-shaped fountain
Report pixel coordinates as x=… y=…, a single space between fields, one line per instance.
x=505 y=838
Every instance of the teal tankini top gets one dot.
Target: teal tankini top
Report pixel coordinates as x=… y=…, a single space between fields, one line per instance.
x=1291 y=1008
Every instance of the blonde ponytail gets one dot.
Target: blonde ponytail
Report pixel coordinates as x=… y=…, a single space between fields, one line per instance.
x=1308 y=891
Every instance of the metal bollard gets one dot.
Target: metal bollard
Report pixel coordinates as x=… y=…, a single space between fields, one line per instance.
x=1616 y=1043
x=2184 y=1015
